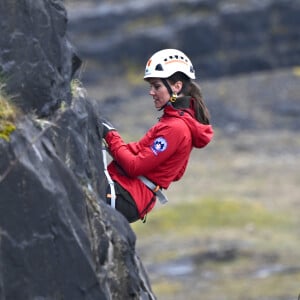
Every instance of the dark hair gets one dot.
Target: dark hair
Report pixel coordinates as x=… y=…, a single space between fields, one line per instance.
x=191 y=88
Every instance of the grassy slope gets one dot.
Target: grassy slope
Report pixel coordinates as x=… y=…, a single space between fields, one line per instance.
x=247 y=200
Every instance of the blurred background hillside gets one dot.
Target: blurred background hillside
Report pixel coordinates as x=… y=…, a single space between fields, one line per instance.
x=231 y=228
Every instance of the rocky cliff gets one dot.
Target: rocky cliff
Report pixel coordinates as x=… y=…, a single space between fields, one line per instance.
x=58 y=239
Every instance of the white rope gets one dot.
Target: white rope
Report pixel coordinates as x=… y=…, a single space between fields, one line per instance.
x=110 y=181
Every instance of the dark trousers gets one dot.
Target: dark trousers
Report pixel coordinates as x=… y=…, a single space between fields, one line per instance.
x=124 y=203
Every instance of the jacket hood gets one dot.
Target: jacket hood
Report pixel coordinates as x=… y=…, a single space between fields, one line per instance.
x=202 y=134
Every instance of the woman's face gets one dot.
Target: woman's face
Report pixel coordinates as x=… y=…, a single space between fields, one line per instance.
x=159 y=92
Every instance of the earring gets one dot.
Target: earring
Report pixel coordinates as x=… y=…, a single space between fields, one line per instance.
x=173 y=97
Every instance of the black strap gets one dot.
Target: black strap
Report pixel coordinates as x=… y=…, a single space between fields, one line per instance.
x=166 y=84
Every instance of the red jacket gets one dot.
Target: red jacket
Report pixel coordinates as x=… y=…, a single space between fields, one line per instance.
x=161 y=155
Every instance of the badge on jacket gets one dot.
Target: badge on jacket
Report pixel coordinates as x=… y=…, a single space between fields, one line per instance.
x=159 y=145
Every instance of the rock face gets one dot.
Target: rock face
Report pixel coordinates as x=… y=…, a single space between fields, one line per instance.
x=223 y=37
x=35 y=57
x=58 y=239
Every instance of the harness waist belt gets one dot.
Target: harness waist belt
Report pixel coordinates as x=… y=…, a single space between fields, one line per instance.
x=155 y=189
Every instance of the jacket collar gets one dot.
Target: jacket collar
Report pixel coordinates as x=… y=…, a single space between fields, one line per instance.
x=181 y=106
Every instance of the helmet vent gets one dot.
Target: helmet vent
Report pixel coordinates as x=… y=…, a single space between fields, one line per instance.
x=171 y=57
x=159 y=67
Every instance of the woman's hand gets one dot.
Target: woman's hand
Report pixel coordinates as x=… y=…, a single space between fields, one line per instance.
x=104 y=127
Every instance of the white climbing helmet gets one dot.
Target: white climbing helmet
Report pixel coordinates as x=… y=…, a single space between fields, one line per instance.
x=165 y=63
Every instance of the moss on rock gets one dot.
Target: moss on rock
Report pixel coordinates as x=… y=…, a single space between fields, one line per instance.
x=8 y=116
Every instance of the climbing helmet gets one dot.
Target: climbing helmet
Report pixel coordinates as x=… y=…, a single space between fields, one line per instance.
x=165 y=63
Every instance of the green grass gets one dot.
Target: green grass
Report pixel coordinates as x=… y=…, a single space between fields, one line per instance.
x=275 y=287
x=263 y=237
x=211 y=213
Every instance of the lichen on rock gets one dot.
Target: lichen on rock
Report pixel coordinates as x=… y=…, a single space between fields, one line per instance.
x=8 y=116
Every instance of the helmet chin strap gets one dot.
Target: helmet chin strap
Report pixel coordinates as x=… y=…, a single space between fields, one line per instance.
x=166 y=84
x=173 y=96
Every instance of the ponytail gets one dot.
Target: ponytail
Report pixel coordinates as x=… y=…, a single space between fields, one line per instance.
x=192 y=89
x=201 y=111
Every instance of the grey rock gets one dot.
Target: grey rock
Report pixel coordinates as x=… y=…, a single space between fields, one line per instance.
x=58 y=238
x=35 y=56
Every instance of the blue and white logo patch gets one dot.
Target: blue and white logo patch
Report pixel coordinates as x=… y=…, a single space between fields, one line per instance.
x=159 y=145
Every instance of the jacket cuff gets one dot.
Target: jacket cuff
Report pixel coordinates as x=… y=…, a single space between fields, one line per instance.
x=111 y=135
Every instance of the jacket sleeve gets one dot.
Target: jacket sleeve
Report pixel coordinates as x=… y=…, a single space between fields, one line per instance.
x=138 y=158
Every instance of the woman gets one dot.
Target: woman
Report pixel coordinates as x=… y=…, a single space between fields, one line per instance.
x=140 y=170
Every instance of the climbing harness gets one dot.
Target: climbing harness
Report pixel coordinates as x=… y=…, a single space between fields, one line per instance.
x=155 y=189
x=111 y=183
